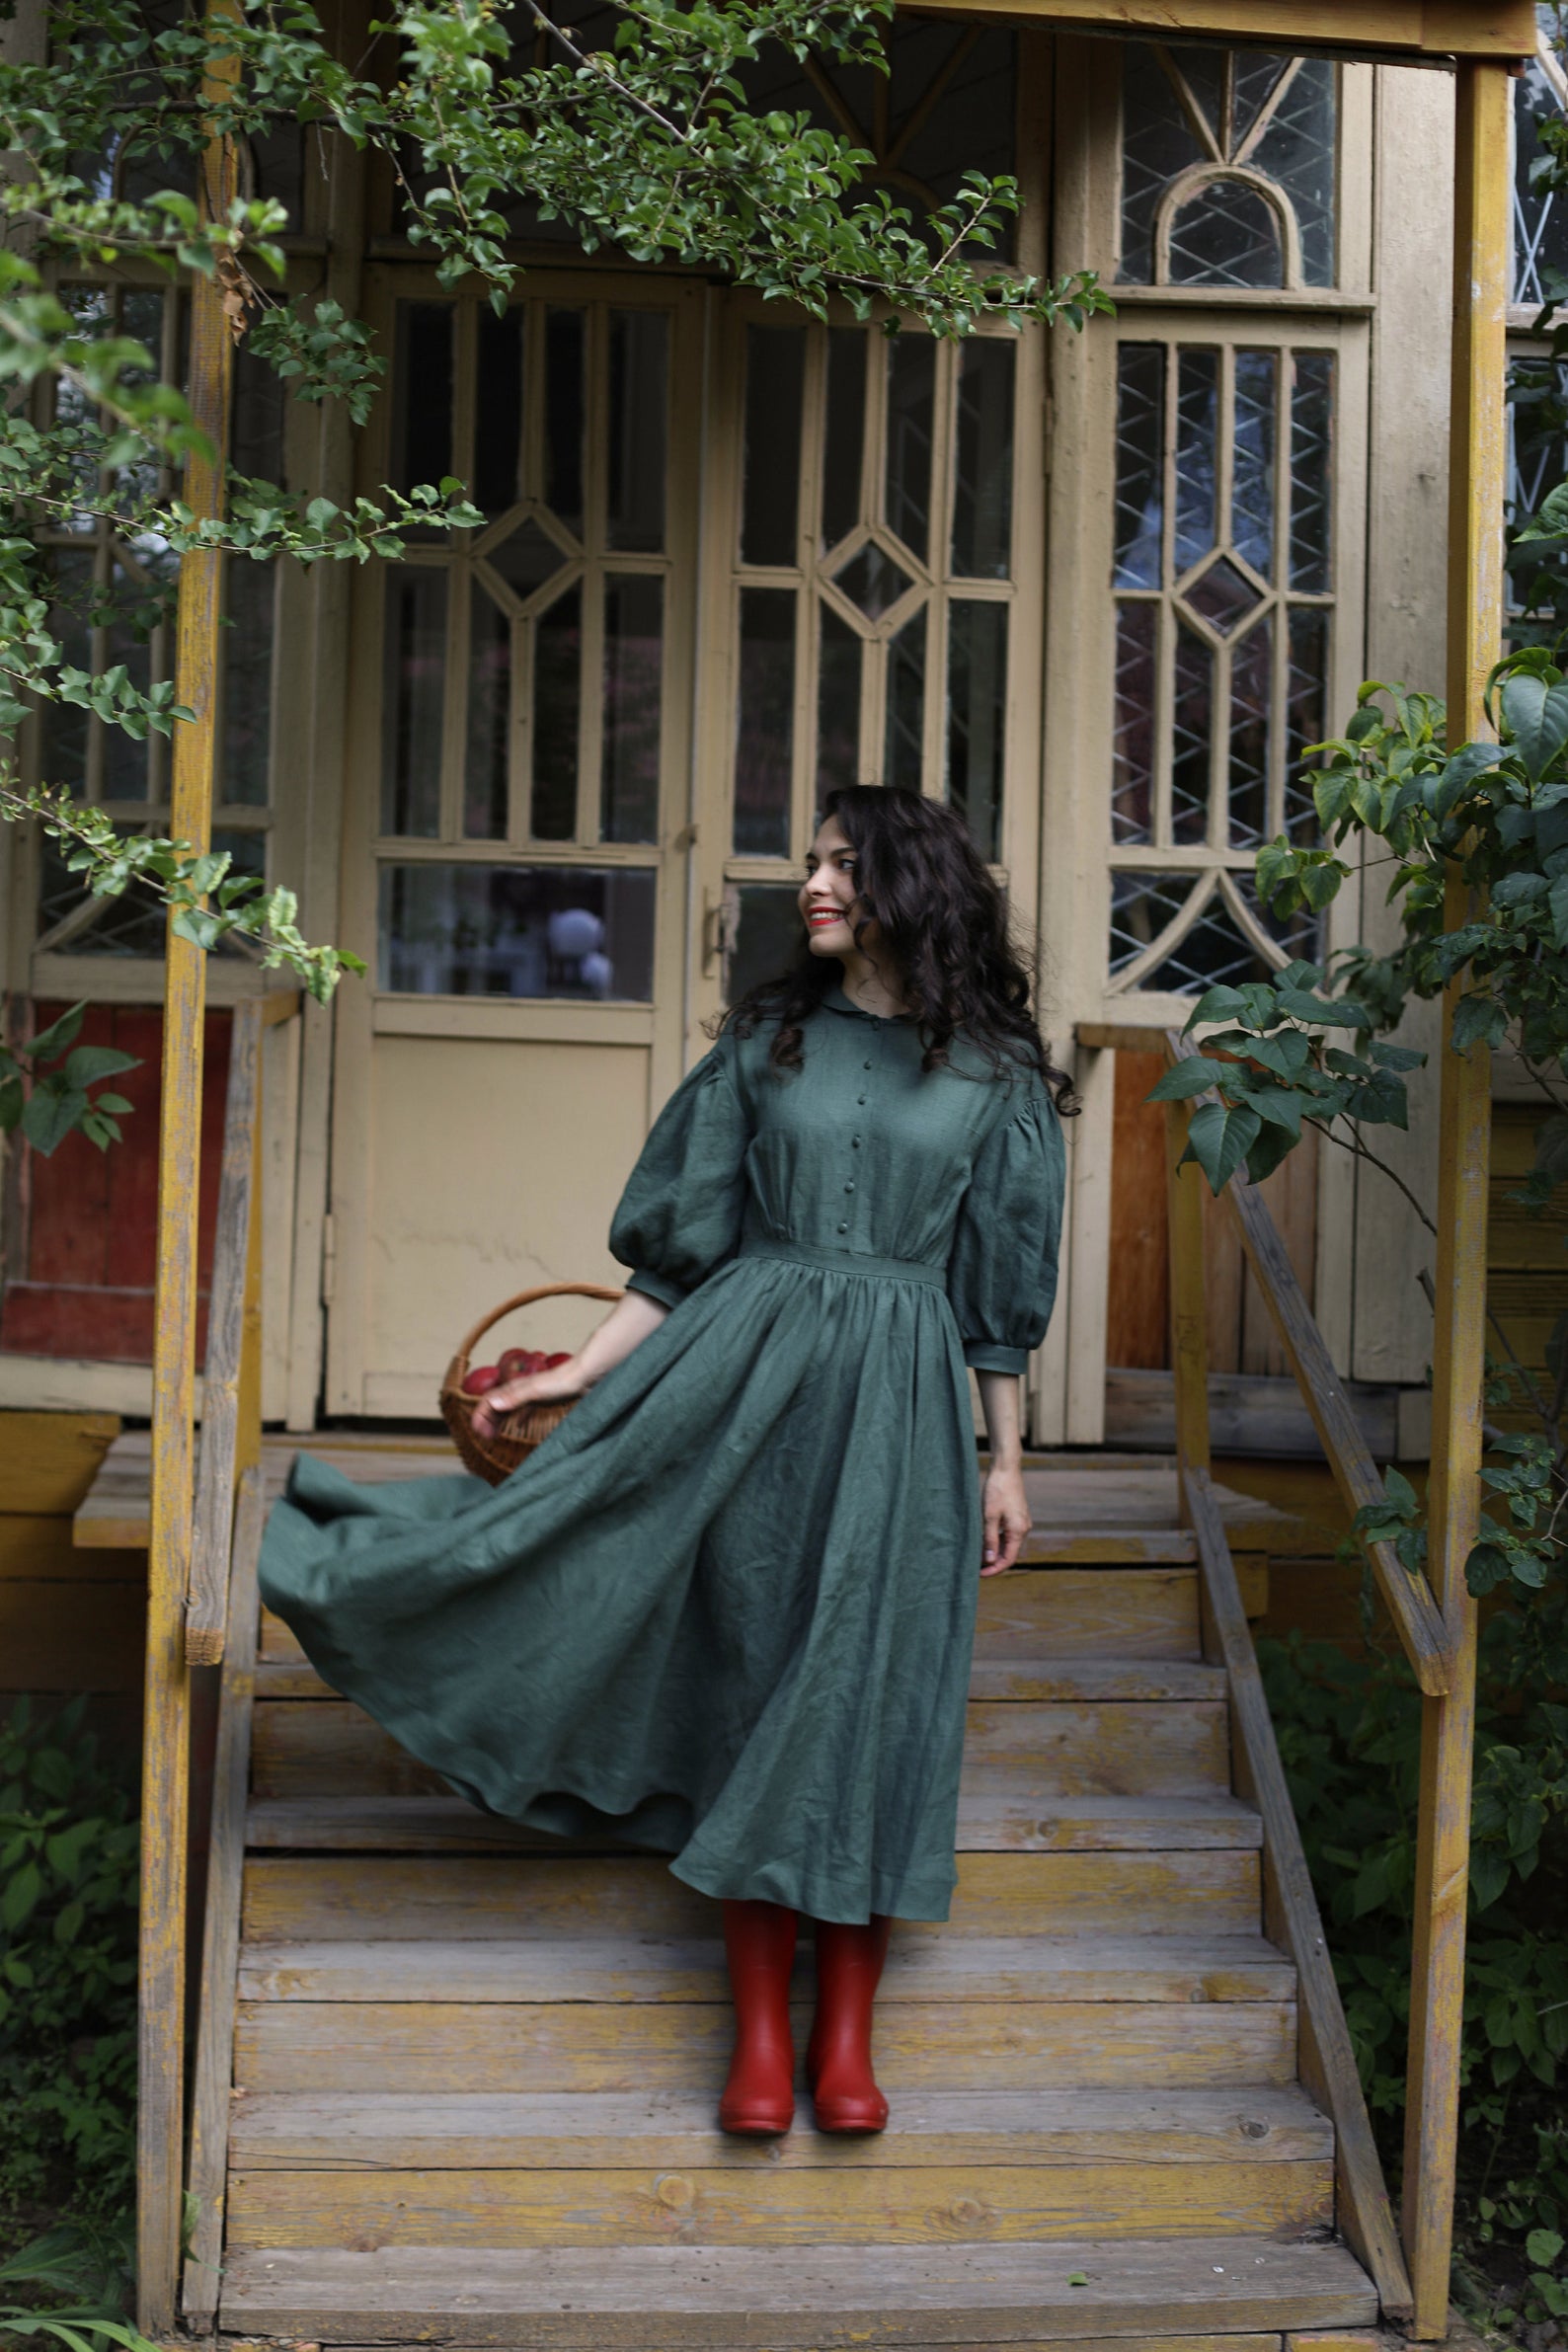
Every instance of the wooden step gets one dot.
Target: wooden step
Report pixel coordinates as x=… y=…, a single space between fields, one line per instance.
x=626 y=1968
x=436 y=2046
x=551 y=2131
x=1117 y=1612
x=1106 y=1748
x=595 y=2300
x=1069 y=1681
x=304 y=1899
x=771 y=2205
x=996 y=1814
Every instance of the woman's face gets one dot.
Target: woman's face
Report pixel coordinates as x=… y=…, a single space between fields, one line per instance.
x=829 y=894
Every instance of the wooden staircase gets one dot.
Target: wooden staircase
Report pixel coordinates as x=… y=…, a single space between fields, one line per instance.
x=456 y=2083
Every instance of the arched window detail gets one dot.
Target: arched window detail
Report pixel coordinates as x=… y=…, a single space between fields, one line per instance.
x=1228 y=168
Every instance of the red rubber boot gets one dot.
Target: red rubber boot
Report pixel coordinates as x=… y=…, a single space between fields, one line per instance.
x=838 y=2056
x=759 y=1945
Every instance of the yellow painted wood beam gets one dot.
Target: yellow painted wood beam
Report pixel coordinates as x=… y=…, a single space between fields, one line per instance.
x=1478 y=482
x=1409 y=31
x=165 y=1787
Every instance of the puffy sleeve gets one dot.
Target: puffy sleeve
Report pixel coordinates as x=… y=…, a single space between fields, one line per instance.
x=679 y=1217
x=1002 y=1277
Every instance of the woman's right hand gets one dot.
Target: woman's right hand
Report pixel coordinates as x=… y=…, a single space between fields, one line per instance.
x=568 y=1380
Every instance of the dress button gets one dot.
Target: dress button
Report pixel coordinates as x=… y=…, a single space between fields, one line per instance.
x=849 y=1187
x=843 y=1228
x=865 y=1066
x=854 y=1143
x=860 y=1098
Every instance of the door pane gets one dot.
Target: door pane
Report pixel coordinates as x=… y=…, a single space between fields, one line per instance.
x=1311 y=469
x=415 y=685
x=767 y=936
x=489 y=720
x=498 y=410
x=765 y=725
x=1251 y=718
x=903 y=751
x=565 y=411
x=557 y=690
x=638 y=373
x=982 y=475
x=558 y=931
x=421 y=396
x=911 y=395
x=633 y=663
x=1132 y=740
x=977 y=716
x=1252 y=461
x=847 y=432
x=837 y=704
x=775 y=372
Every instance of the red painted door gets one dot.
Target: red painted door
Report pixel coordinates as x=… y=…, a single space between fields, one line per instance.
x=81 y=1228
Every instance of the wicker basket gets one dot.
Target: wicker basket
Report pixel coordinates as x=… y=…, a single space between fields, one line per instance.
x=496 y=1457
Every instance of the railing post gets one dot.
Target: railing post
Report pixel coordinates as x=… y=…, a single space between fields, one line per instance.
x=1189 y=1318
x=1476 y=488
x=164 y=1786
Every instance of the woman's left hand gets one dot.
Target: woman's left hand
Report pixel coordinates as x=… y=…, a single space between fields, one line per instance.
x=1009 y=1519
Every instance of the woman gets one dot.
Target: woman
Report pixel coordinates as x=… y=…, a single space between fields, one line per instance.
x=726 y=1609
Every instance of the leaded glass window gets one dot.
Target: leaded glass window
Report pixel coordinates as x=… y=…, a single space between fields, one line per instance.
x=875 y=577
x=1222 y=579
x=1228 y=166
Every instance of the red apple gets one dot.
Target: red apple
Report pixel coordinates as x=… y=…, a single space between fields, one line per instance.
x=551 y=1362
x=516 y=1363
x=482 y=1380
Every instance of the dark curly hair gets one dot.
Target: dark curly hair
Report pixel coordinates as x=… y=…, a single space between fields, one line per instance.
x=944 y=929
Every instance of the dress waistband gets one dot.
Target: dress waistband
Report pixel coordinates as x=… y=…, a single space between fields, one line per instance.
x=847 y=1261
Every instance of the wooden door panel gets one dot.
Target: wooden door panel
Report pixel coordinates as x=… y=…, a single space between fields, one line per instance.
x=494 y=1167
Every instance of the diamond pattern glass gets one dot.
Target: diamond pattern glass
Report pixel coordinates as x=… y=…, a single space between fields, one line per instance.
x=1540 y=220
x=1312 y=404
x=838 y=665
x=1192 y=720
x=1297 y=152
x=1143 y=905
x=1214 y=952
x=1251 y=726
x=1133 y=739
x=1227 y=235
x=873 y=581
x=1252 y=459
x=1223 y=595
x=1197 y=434
x=1305 y=716
x=1139 y=446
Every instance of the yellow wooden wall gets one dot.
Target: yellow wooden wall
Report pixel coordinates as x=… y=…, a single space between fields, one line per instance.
x=69 y=1620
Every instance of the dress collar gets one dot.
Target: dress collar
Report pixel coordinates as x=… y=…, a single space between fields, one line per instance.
x=838 y=1000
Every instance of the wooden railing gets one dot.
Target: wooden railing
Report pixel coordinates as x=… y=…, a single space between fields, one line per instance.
x=1412 y=2275
x=215 y=1623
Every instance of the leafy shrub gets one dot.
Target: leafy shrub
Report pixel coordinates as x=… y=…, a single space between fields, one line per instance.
x=69 y=1856
x=1350 y=1735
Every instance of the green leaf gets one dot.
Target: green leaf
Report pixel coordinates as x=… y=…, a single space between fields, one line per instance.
x=1537 y=715
x=1194 y=1076
x=91 y=1063
x=1543 y=2246
x=53 y=1113
x=58 y=1034
x=1219 y=1139
x=19 y=1894
x=1557 y=901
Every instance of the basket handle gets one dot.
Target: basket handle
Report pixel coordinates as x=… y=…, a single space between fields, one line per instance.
x=527 y=1298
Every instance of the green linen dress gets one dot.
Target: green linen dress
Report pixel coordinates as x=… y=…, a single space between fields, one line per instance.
x=726 y=1609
